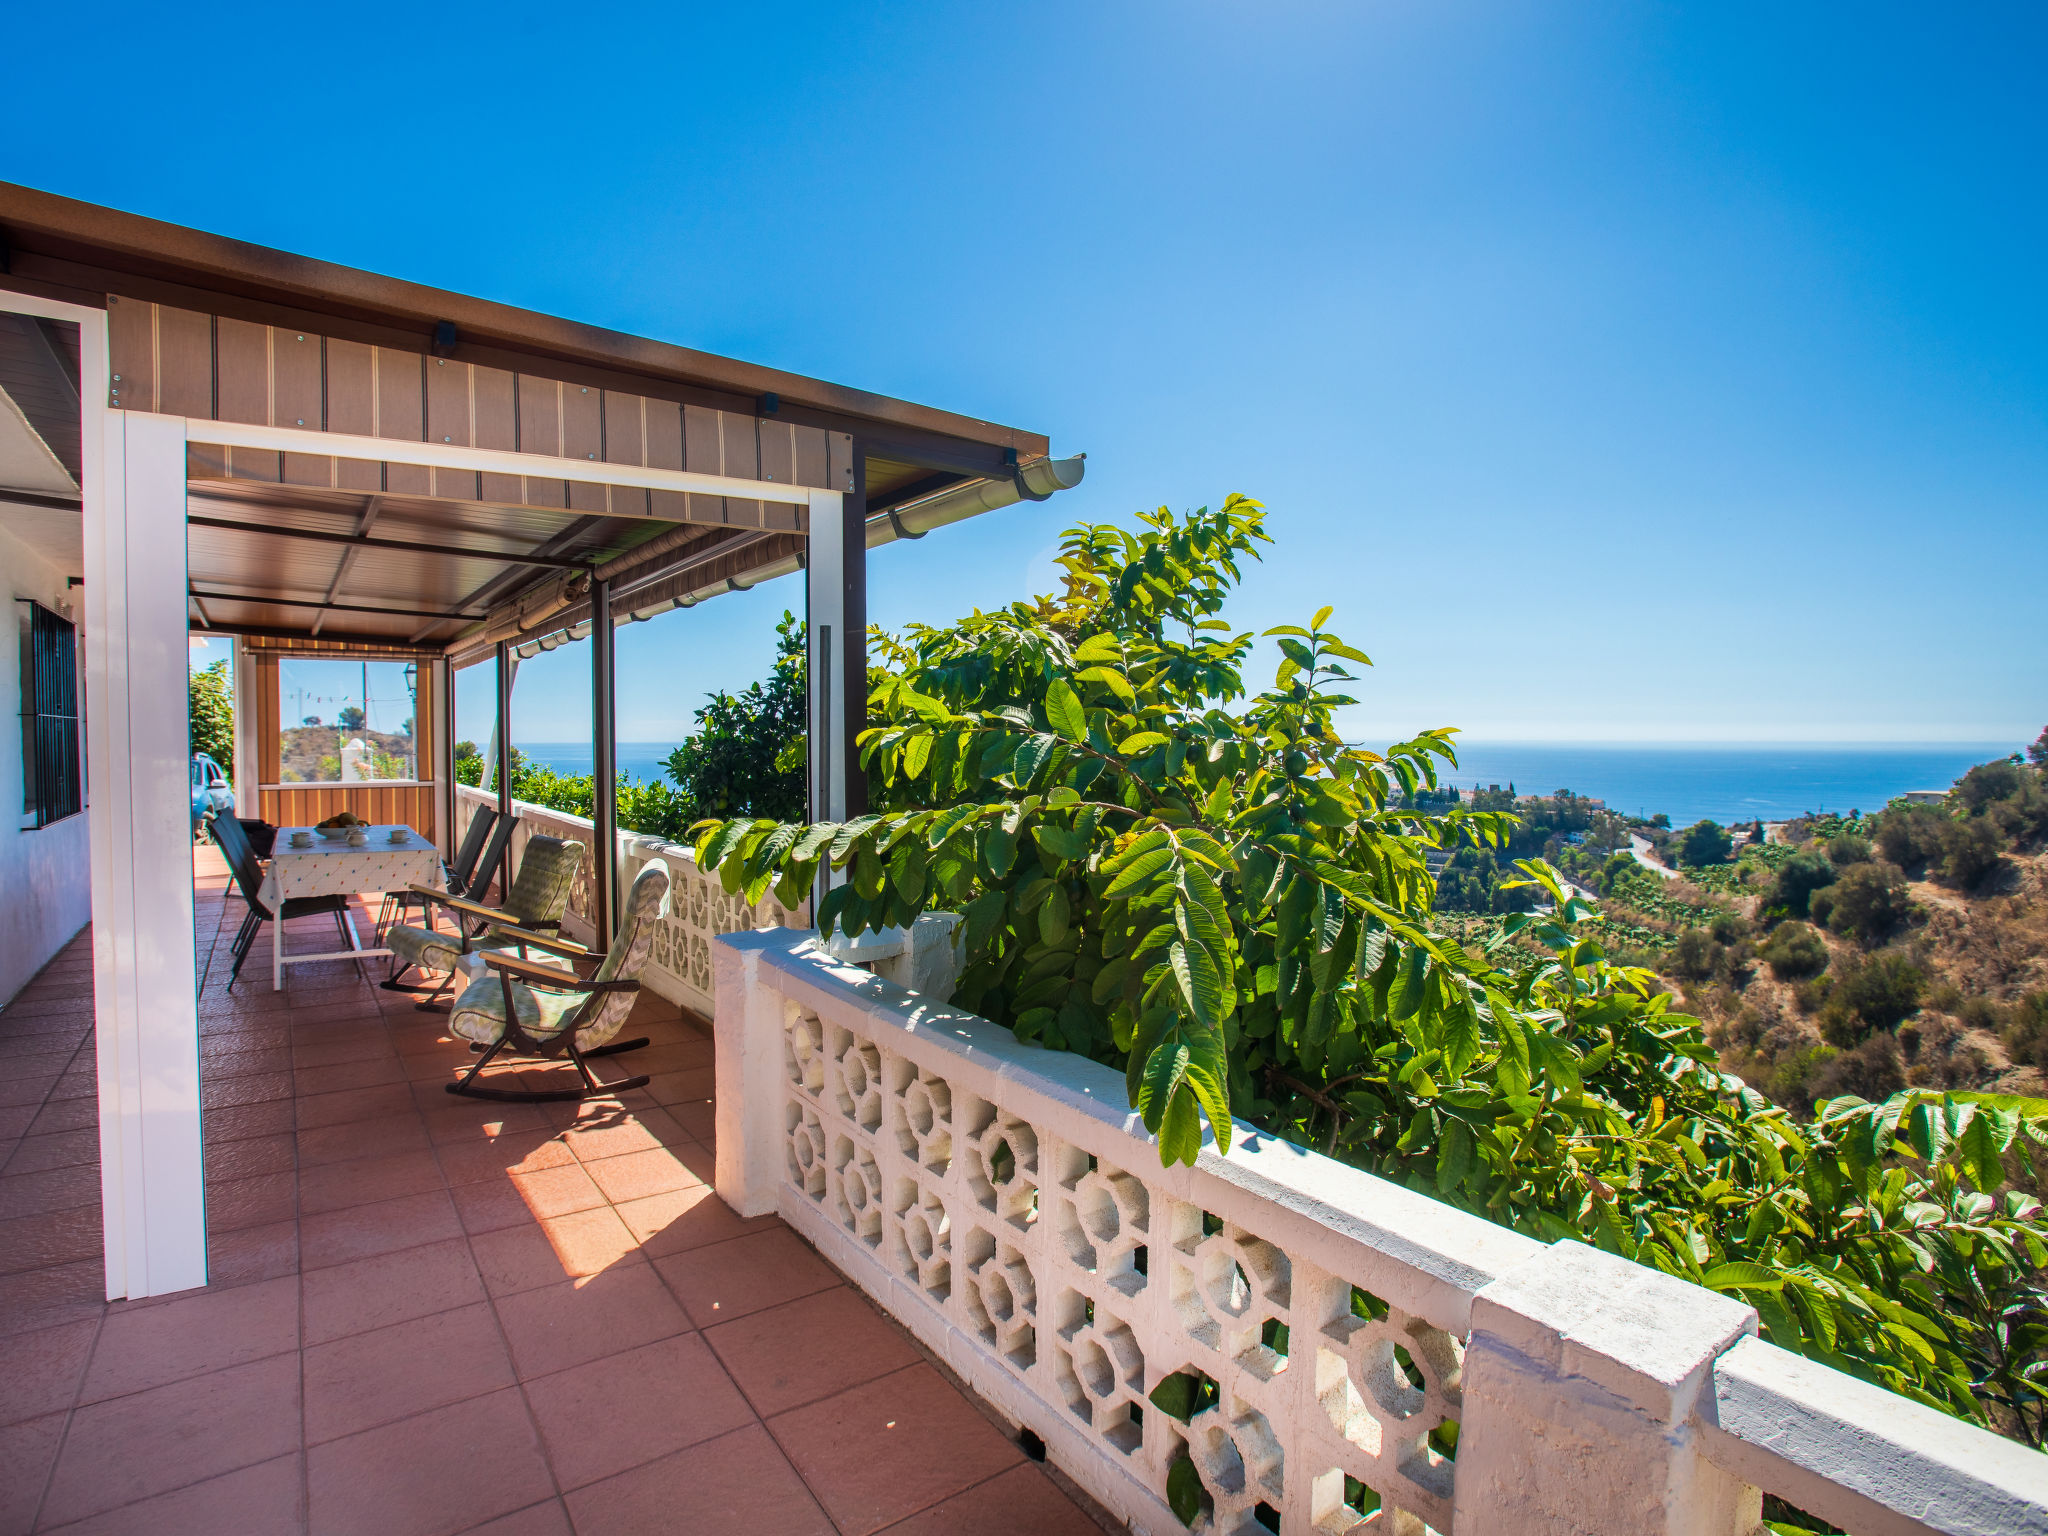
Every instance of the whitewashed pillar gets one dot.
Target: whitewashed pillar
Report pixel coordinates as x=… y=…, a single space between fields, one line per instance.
x=138 y=748
x=751 y=1134
x=827 y=620
x=1580 y=1381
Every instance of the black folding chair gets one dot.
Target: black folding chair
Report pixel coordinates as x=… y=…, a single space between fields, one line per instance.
x=460 y=873
x=241 y=856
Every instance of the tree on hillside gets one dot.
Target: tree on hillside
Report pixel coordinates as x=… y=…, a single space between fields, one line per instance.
x=1216 y=894
x=1704 y=843
x=1870 y=903
x=212 y=699
x=749 y=753
x=350 y=718
x=2037 y=753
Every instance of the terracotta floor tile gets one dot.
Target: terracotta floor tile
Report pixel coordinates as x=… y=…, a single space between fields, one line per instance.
x=252 y=1202
x=809 y=1349
x=1020 y=1502
x=437 y=1473
x=612 y=1414
x=43 y=1370
x=247 y=1158
x=491 y=1207
x=65 y=1115
x=27 y=1452
x=252 y=1253
x=51 y=1239
x=343 y=1075
x=54 y=1189
x=738 y=1482
x=697 y=1116
x=364 y=1138
x=366 y=1180
x=481 y=1161
x=640 y=1174
x=15 y=1119
x=335 y=1237
x=271 y=1118
x=256 y=1088
x=369 y=1379
x=44 y=1298
x=264 y=1061
x=316 y=1050
x=557 y=1191
x=880 y=1452
x=151 y=1442
x=264 y=1498
x=146 y=1346
x=597 y=1135
x=548 y=1519
x=17 y=1089
x=534 y=1254
x=691 y=1085
x=465 y=1120
x=355 y=1104
x=559 y=1326
x=390 y=1288
x=727 y=1280
x=687 y=1218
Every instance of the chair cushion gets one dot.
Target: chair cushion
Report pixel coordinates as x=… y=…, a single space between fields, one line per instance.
x=479 y=1014
x=427 y=948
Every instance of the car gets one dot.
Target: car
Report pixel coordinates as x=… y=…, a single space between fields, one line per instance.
x=211 y=792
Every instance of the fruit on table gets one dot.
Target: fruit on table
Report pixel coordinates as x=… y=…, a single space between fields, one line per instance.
x=344 y=819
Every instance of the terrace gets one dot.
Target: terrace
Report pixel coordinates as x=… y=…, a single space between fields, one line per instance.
x=851 y=1261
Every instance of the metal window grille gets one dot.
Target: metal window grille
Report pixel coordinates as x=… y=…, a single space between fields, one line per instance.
x=49 y=718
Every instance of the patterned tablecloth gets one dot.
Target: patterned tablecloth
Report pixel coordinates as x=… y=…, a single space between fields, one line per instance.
x=332 y=868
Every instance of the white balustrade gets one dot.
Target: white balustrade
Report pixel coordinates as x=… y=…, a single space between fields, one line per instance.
x=700 y=908
x=1358 y=1355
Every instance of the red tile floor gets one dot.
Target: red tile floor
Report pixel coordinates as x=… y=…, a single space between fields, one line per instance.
x=430 y=1315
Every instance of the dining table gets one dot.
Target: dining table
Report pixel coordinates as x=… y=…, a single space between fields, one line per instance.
x=306 y=862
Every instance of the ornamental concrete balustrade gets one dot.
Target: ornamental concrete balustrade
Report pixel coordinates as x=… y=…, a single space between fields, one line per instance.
x=700 y=908
x=1350 y=1354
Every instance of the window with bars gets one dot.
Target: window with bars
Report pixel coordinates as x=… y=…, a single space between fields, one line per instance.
x=51 y=772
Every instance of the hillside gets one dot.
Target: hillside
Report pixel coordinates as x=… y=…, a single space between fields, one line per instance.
x=1862 y=956
x=311 y=754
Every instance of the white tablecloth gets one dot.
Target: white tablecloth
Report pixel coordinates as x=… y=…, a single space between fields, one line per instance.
x=332 y=868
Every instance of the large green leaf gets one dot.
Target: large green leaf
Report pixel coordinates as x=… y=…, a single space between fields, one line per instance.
x=1063 y=710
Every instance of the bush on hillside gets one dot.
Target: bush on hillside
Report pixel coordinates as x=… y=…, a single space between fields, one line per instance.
x=1871 y=1070
x=1704 y=843
x=1798 y=878
x=1874 y=992
x=1846 y=848
x=1910 y=835
x=1794 y=951
x=1970 y=851
x=1869 y=903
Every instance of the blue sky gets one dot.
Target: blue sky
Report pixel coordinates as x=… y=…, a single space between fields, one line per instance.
x=1618 y=371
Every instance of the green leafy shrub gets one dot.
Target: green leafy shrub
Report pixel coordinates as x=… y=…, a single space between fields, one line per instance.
x=212 y=697
x=1704 y=843
x=1226 y=904
x=1910 y=836
x=1870 y=993
x=1970 y=851
x=1847 y=848
x=1794 y=951
x=1869 y=903
x=1797 y=879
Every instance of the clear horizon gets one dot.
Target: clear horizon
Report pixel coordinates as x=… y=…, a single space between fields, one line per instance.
x=1624 y=373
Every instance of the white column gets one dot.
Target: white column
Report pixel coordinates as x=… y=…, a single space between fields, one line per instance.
x=138 y=744
x=825 y=575
x=447 y=823
x=750 y=1072
x=248 y=800
x=1580 y=1382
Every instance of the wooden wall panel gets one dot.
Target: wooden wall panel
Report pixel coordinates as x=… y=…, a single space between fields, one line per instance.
x=131 y=350
x=305 y=805
x=813 y=458
x=184 y=362
x=401 y=413
x=540 y=431
x=242 y=391
x=742 y=458
x=704 y=451
x=269 y=750
x=625 y=442
x=778 y=463
x=494 y=408
x=352 y=408
x=298 y=399
x=583 y=438
x=664 y=445
x=450 y=420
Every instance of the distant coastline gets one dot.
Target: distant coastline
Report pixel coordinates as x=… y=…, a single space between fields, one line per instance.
x=1725 y=782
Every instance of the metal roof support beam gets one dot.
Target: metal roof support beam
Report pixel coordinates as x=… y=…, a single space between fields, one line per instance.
x=296 y=602
x=604 y=753
x=364 y=541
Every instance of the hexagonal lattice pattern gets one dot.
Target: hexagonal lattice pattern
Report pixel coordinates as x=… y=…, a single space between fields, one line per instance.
x=857 y=1190
x=1002 y=1298
x=923 y=1241
x=930 y=1195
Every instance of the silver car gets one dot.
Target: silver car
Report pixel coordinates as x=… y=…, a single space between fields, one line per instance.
x=211 y=792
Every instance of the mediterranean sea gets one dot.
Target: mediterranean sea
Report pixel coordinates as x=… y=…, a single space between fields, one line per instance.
x=1723 y=781
x=1726 y=782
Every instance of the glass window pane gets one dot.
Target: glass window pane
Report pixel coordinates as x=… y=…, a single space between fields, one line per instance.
x=346 y=722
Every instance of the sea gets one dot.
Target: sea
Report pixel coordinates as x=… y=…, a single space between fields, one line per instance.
x=1689 y=782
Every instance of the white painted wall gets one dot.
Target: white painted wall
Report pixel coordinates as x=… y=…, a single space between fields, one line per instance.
x=46 y=874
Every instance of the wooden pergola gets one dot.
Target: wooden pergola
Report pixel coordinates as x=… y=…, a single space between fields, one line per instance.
x=319 y=461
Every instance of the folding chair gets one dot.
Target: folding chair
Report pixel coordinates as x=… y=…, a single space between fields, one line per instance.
x=248 y=875
x=398 y=903
x=538 y=898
